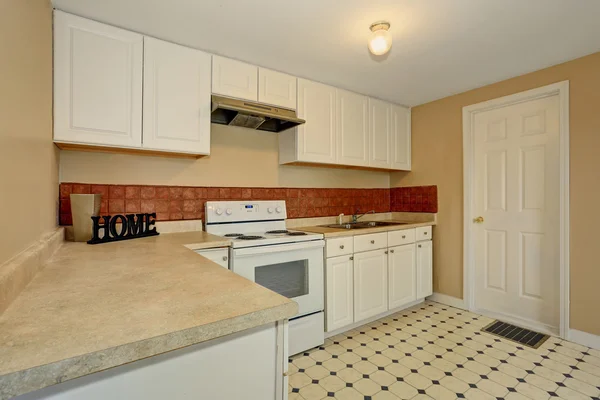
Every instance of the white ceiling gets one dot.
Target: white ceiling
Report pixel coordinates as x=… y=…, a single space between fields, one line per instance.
x=441 y=47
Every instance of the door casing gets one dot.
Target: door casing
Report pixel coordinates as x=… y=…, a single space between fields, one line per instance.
x=562 y=90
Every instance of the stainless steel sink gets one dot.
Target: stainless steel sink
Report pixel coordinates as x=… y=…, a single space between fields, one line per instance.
x=363 y=225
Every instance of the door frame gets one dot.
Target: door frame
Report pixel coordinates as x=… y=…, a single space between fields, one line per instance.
x=562 y=90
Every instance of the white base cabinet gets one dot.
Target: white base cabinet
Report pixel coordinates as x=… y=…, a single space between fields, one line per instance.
x=370 y=284
x=367 y=275
x=424 y=269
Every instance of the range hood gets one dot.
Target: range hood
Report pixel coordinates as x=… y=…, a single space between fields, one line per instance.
x=253 y=115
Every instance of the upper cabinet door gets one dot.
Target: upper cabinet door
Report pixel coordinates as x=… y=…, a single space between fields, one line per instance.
x=352 y=128
x=97 y=83
x=234 y=78
x=380 y=133
x=401 y=151
x=316 y=138
x=277 y=88
x=176 y=98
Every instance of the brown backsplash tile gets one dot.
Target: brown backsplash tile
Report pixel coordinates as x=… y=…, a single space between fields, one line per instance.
x=176 y=202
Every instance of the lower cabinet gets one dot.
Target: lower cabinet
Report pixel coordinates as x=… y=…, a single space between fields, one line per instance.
x=370 y=284
x=339 y=299
x=402 y=274
x=424 y=269
x=365 y=284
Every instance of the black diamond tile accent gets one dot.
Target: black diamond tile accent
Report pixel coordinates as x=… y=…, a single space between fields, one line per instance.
x=419 y=348
x=414 y=371
x=537 y=364
x=380 y=368
x=552 y=394
x=348 y=365
x=489 y=345
x=390 y=346
x=552 y=350
x=301 y=370
x=470 y=359
x=334 y=356
x=407 y=354
x=350 y=337
x=448 y=373
x=363 y=344
x=574 y=367
x=435 y=382
x=472 y=386
x=399 y=379
x=511 y=389
x=421 y=391
x=479 y=352
x=332 y=373
x=460 y=395
x=364 y=358
x=384 y=388
x=321 y=348
x=494 y=369
x=459 y=365
x=567 y=375
x=521 y=380
x=376 y=339
x=295 y=390
x=365 y=376
x=560 y=384
x=427 y=363
x=330 y=394
x=377 y=352
x=546 y=357
x=483 y=376
x=512 y=354
x=388 y=334
x=438 y=356
x=504 y=361
x=348 y=385
x=349 y=350
x=315 y=381
x=395 y=361
x=306 y=354
x=319 y=363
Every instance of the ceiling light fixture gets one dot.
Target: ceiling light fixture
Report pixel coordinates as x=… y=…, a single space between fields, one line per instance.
x=381 y=38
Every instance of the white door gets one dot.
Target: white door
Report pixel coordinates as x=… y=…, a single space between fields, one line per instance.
x=176 y=98
x=380 y=133
x=516 y=192
x=277 y=88
x=370 y=284
x=402 y=275
x=316 y=138
x=339 y=296
x=424 y=269
x=401 y=138
x=352 y=128
x=234 y=78
x=97 y=83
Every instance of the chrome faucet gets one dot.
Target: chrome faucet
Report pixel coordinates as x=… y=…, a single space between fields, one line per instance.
x=355 y=216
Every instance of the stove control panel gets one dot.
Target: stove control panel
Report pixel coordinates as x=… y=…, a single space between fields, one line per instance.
x=240 y=211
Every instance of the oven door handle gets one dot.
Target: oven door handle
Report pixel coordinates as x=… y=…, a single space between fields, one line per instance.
x=279 y=248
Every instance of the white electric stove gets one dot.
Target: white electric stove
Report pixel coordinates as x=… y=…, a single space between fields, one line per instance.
x=285 y=261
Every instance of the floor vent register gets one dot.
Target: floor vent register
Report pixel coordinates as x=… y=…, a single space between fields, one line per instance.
x=517 y=334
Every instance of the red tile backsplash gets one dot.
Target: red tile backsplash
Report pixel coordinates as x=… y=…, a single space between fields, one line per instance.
x=414 y=199
x=176 y=203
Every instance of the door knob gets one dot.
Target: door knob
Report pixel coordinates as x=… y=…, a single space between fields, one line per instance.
x=478 y=220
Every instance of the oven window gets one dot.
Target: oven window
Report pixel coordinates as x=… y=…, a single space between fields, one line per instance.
x=289 y=279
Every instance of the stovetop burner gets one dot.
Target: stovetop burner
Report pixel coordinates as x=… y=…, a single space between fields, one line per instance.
x=278 y=231
x=296 y=233
x=250 y=237
x=234 y=234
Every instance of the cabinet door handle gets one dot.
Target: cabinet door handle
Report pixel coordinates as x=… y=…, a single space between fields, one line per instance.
x=351 y=258
x=425 y=233
x=386 y=252
x=391 y=251
x=224 y=258
x=419 y=246
x=372 y=242
x=342 y=247
x=403 y=236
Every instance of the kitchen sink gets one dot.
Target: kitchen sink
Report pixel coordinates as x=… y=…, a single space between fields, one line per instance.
x=363 y=225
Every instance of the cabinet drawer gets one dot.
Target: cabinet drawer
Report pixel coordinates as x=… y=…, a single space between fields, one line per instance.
x=398 y=238
x=339 y=247
x=370 y=242
x=423 y=233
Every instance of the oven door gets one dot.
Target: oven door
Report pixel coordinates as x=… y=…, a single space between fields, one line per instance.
x=294 y=270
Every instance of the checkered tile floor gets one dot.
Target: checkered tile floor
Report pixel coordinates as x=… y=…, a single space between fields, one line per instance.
x=436 y=351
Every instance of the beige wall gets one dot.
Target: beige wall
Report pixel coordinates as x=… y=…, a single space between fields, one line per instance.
x=28 y=159
x=239 y=157
x=437 y=159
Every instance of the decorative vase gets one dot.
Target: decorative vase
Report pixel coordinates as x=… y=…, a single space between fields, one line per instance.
x=83 y=208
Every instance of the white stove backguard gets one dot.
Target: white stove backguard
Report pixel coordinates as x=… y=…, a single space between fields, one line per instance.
x=219 y=212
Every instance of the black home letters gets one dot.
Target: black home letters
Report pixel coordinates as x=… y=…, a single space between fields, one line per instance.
x=132 y=226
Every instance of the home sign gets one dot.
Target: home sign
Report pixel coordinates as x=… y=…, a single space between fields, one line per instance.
x=122 y=227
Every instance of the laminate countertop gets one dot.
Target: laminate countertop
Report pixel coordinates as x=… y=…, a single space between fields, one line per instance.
x=97 y=307
x=337 y=232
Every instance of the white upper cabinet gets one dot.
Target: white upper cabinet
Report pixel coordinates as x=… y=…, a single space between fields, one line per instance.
x=401 y=138
x=314 y=141
x=177 y=101
x=380 y=133
x=97 y=83
x=424 y=269
x=352 y=128
x=234 y=78
x=277 y=88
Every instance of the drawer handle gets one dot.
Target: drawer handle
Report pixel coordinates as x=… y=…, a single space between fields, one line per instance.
x=351 y=258
x=342 y=247
x=372 y=242
x=391 y=251
x=403 y=236
x=224 y=258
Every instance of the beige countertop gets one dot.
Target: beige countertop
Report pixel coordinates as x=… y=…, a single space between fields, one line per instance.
x=97 y=307
x=335 y=232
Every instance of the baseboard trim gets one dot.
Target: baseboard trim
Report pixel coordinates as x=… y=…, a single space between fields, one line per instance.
x=369 y=320
x=584 y=338
x=448 y=300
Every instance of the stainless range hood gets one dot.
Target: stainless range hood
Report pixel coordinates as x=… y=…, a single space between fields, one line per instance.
x=248 y=114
